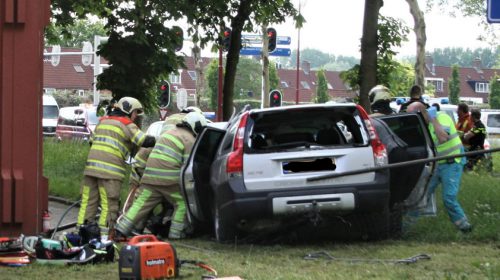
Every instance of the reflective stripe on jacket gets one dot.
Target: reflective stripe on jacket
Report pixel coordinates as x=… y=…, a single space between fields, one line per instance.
x=139 y=165
x=169 y=154
x=113 y=139
x=453 y=146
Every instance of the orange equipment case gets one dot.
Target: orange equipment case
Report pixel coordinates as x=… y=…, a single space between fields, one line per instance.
x=145 y=257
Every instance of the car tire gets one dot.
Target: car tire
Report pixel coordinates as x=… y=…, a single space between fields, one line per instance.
x=374 y=226
x=396 y=223
x=224 y=226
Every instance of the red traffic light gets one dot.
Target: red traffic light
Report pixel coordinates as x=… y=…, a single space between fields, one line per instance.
x=272 y=36
x=163 y=87
x=276 y=96
x=227 y=33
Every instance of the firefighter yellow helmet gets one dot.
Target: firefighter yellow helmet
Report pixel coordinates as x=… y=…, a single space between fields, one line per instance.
x=129 y=104
x=379 y=92
x=195 y=121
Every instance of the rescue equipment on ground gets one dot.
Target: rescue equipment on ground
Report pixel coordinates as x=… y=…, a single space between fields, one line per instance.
x=327 y=256
x=46 y=221
x=145 y=257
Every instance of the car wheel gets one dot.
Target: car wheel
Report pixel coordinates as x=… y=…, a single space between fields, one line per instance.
x=224 y=226
x=374 y=226
x=396 y=223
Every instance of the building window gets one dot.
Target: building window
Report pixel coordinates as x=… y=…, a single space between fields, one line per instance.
x=49 y=90
x=192 y=74
x=284 y=84
x=78 y=68
x=175 y=79
x=305 y=85
x=437 y=83
x=81 y=92
x=482 y=87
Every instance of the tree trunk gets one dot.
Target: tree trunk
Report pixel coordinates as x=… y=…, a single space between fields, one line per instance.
x=369 y=46
x=200 y=75
x=233 y=56
x=419 y=29
x=265 y=67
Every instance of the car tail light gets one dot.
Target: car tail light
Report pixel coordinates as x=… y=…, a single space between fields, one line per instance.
x=379 y=151
x=235 y=158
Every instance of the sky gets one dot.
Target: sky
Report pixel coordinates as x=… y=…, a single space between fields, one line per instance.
x=335 y=27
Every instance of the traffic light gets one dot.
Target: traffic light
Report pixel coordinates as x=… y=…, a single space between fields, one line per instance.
x=275 y=98
x=226 y=39
x=271 y=35
x=164 y=98
x=179 y=37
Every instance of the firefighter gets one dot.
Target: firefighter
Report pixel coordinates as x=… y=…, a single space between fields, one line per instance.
x=448 y=172
x=464 y=123
x=140 y=159
x=114 y=138
x=380 y=100
x=161 y=177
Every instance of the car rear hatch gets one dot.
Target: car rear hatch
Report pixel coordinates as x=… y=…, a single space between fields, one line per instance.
x=286 y=146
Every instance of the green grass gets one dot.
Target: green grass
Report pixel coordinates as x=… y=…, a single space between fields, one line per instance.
x=63 y=164
x=454 y=255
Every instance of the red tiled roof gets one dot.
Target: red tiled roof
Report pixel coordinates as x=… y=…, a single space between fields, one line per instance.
x=289 y=76
x=467 y=76
x=64 y=75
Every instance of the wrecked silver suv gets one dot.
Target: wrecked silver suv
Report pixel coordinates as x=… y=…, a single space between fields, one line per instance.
x=257 y=167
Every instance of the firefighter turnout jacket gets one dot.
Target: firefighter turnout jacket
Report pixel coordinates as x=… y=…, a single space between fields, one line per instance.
x=113 y=140
x=165 y=161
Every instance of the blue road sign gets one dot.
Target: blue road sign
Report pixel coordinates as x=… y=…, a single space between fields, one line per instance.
x=257 y=39
x=283 y=40
x=257 y=50
x=250 y=51
x=281 y=52
x=493 y=11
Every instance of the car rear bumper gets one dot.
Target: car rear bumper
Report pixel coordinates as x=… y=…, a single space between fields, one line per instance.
x=234 y=200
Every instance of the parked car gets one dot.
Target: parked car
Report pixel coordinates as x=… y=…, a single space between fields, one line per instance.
x=491 y=120
x=76 y=122
x=256 y=167
x=50 y=114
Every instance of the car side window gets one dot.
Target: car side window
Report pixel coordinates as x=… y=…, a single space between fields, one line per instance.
x=409 y=129
x=227 y=143
x=493 y=120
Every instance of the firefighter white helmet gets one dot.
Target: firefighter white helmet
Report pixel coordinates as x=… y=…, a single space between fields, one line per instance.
x=195 y=121
x=129 y=104
x=379 y=92
x=190 y=109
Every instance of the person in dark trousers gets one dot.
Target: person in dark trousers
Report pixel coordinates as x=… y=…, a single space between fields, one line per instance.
x=115 y=136
x=415 y=96
x=448 y=172
x=475 y=138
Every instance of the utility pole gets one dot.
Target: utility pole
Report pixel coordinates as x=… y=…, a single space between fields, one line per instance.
x=265 y=68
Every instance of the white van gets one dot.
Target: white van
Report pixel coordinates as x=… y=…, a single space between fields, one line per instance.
x=50 y=114
x=491 y=120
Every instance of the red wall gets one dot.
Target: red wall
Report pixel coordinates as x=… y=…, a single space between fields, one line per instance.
x=23 y=189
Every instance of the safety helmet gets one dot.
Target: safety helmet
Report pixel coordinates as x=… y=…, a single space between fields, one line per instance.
x=195 y=121
x=129 y=104
x=379 y=92
x=190 y=109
